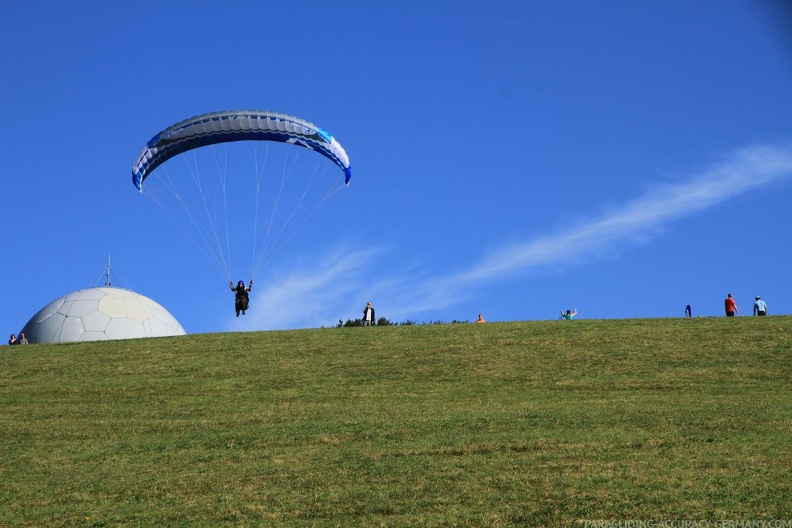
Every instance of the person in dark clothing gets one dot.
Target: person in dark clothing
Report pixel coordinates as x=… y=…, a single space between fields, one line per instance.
x=241 y=297
x=369 y=319
x=13 y=340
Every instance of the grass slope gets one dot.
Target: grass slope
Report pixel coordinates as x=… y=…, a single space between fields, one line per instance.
x=504 y=424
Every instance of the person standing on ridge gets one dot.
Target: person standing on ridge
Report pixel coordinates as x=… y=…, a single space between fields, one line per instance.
x=569 y=315
x=368 y=315
x=760 y=307
x=731 y=306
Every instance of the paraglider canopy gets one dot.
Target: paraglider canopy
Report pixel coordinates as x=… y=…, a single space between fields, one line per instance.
x=236 y=125
x=240 y=180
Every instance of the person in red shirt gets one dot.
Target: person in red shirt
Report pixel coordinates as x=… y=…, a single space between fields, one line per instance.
x=731 y=306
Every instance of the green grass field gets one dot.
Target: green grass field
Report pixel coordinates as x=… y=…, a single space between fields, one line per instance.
x=547 y=423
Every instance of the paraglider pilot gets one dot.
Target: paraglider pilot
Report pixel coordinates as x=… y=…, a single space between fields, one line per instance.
x=241 y=298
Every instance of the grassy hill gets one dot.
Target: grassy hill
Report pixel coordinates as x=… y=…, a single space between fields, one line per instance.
x=541 y=423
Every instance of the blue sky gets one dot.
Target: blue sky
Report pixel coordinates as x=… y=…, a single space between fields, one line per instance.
x=510 y=158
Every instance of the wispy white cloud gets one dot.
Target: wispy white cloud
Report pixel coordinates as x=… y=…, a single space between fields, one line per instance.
x=304 y=298
x=641 y=218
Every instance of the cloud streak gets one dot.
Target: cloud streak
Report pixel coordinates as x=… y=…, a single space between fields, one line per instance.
x=304 y=297
x=746 y=170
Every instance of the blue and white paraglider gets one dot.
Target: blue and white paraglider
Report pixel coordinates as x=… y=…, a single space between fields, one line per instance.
x=242 y=181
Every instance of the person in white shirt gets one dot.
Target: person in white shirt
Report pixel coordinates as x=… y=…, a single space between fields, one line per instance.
x=368 y=315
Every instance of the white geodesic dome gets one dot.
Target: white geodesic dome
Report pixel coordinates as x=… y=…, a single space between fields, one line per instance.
x=98 y=314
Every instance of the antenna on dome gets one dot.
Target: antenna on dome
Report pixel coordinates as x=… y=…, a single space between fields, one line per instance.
x=107 y=273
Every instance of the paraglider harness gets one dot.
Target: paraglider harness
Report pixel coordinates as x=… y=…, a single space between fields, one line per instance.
x=241 y=298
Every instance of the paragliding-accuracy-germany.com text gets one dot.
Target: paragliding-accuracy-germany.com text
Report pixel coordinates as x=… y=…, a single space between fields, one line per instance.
x=687 y=523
